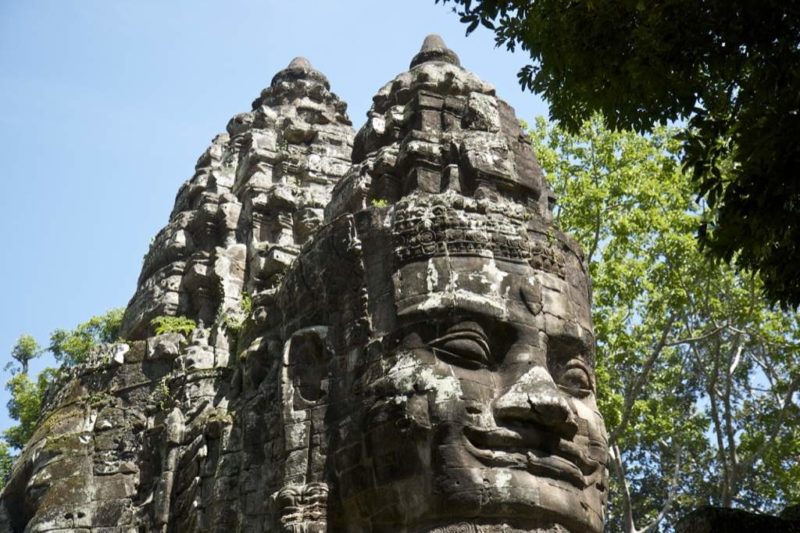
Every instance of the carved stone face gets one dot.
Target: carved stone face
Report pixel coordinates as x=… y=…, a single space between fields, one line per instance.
x=462 y=386
x=479 y=407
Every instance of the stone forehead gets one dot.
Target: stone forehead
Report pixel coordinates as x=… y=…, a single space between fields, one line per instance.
x=434 y=226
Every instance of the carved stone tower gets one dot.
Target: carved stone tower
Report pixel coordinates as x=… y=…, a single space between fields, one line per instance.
x=391 y=336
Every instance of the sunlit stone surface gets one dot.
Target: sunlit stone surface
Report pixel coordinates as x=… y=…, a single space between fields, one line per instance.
x=418 y=355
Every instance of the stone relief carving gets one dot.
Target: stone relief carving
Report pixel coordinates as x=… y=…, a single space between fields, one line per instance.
x=419 y=354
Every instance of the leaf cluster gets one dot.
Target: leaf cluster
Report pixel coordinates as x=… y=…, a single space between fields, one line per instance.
x=173 y=324
x=25 y=405
x=23 y=352
x=71 y=347
x=6 y=463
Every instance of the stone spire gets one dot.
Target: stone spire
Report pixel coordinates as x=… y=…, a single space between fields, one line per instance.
x=434 y=49
x=256 y=195
x=299 y=69
x=300 y=63
x=438 y=128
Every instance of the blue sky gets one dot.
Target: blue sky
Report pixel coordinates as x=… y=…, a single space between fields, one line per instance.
x=105 y=106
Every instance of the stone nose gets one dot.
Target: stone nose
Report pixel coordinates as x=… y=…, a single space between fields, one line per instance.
x=536 y=398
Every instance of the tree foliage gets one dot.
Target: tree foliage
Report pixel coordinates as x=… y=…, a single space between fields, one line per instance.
x=71 y=347
x=25 y=406
x=23 y=352
x=173 y=324
x=730 y=68
x=698 y=375
x=6 y=463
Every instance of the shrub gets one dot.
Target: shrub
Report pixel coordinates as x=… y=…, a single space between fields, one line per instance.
x=173 y=324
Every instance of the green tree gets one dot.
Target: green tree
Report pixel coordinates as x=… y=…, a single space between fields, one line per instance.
x=71 y=347
x=23 y=351
x=6 y=463
x=698 y=375
x=25 y=406
x=731 y=68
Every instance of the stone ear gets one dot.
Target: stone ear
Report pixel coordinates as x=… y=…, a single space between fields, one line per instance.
x=301 y=502
x=306 y=360
x=304 y=384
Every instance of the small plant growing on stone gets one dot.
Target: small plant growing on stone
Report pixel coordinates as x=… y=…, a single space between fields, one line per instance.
x=246 y=304
x=162 y=395
x=551 y=237
x=232 y=323
x=379 y=202
x=173 y=324
x=235 y=322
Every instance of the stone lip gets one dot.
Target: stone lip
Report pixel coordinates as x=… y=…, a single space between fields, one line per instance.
x=724 y=520
x=300 y=68
x=434 y=49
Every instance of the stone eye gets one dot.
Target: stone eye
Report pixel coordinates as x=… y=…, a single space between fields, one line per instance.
x=465 y=344
x=576 y=379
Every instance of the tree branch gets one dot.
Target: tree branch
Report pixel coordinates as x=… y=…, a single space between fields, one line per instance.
x=711 y=390
x=692 y=340
x=627 y=509
x=671 y=493
x=730 y=431
x=641 y=379
x=774 y=429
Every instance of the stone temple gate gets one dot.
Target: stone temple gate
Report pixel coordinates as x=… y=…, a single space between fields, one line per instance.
x=391 y=336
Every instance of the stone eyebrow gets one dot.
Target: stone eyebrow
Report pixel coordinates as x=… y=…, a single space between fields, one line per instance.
x=571 y=346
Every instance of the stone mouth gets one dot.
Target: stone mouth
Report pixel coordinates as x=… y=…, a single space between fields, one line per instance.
x=535 y=451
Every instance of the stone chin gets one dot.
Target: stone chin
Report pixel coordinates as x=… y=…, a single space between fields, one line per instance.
x=518 y=498
x=444 y=484
x=446 y=475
